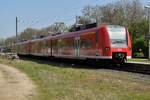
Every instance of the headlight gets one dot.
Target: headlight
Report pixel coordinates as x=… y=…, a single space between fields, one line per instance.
x=107 y=49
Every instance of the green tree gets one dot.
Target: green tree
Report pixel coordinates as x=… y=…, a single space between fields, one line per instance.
x=140 y=47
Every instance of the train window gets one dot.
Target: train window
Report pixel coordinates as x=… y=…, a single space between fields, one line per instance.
x=117 y=32
x=47 y=45
x=44 y=44
x=55 y=44
x=66 y=43
x=117 y=35
x=86 y=43
x=61 y=43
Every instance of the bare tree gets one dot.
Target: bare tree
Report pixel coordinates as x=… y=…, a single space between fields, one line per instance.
x=2 y=41
x=57 y=27
x=121 y=12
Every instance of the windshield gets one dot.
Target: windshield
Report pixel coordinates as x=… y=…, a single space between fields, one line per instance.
x=118 y=36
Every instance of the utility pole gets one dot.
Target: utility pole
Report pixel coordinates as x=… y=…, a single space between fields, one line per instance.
x=77 y=20
x=149 y=30
x=148 y=7
x=16 y=29
x=98 y=16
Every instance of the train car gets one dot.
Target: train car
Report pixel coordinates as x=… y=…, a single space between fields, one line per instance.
x=20 y=48
x=106 y=42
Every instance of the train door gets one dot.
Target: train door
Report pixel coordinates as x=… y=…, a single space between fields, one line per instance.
x=77 y=46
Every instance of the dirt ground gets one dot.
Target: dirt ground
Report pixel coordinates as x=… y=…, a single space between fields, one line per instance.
x=15 y=85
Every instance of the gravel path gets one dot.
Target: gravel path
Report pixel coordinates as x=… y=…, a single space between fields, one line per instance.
x=15 y=85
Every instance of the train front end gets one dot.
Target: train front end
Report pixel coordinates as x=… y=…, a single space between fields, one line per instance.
x=119 y=48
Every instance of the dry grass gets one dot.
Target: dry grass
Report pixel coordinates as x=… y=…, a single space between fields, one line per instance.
x=57 y=82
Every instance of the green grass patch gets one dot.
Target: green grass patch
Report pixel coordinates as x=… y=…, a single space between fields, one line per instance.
x=139 y=60
x=62 y=82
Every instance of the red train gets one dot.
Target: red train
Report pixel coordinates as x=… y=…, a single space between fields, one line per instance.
x=106 y=42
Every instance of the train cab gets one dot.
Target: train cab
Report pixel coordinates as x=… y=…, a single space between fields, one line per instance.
x=117 y=44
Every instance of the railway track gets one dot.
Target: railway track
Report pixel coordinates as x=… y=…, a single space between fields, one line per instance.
x=137 y=68
x=132 y=67
x=127 y=67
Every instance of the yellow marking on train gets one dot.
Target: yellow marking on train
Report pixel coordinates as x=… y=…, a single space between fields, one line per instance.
x=89 y=33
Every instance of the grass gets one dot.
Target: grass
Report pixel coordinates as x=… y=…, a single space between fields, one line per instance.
x=62 y=82
x=139 y=60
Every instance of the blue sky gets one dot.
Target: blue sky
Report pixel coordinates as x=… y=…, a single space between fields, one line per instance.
x=41 y=12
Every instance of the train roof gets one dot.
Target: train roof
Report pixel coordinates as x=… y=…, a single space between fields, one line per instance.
x=18 y=43
x=67 y=34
